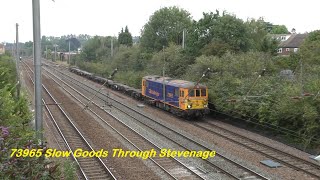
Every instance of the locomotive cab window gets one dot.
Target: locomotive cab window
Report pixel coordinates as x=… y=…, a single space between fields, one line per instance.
x=197 y=92
x=181 y=93
x=191 y=93
x=203 y=92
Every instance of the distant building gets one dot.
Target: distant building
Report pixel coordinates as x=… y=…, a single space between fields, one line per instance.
x=65 y=55
x=135 y=40
x=2 y=49
x=289 y=43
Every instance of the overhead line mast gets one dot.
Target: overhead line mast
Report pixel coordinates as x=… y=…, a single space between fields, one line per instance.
x=17 y=60
x=37 y=67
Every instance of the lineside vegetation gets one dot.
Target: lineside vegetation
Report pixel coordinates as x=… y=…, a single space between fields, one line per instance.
x=16 y=132
x=284 y=100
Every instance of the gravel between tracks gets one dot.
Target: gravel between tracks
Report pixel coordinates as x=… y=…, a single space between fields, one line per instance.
x=120 y=127
x=53 y=139
x=51 y=135
x=123 y=168
x=229 y=148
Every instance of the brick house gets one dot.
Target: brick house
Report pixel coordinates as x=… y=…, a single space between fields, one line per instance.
x=290 y=43
x=2 y=50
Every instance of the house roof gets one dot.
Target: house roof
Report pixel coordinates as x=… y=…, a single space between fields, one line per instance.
x=276 y=36
x=294 y=41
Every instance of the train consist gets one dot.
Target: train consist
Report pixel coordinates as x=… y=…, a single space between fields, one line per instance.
x=183 y=98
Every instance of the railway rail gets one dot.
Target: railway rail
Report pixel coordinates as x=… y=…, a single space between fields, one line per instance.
x=221 y=163
x=172 y=166
x=285 y=158
x=91 y=168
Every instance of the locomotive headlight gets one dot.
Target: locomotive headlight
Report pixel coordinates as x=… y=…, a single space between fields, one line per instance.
x=189 y=106
x=205 y=106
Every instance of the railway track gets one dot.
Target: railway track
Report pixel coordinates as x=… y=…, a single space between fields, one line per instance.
x=285 y=158
x=91 y=168
x=172 y=166
x=221 y=163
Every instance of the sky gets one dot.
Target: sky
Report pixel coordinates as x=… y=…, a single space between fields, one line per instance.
x=106 y=18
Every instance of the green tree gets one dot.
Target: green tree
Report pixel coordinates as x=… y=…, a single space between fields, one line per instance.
x=279 y=29
x=74 y=43
x=125 y=37
x=16 y=133
x=98 y=48
x=165 y=26
x=216 y=48
x=28 y=48
x=260 y=40
x=310 y=48
x=83 y=38
x=89 y=50
x=63 y=42
x=128 y=58
x=225 y=32
x=269 y=45
x=172 y=59
x=201 y=33
x=309 y=56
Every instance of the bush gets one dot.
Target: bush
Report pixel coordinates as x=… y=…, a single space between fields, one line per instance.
x=269 y=99
x=15 y=132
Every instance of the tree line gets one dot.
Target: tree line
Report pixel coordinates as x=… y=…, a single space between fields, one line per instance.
x=237 y=51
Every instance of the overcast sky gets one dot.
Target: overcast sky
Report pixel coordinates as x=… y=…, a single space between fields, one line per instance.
x=105 y=17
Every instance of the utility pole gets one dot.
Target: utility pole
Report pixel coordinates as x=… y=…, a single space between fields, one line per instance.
x=12 y=48
x=111 y=46
x=17 y=60
x=163 y=82
x=55 y=52
x=183 y=36
x=37 y=67
x=301 y=71
x=47 y=52
x=69 y=53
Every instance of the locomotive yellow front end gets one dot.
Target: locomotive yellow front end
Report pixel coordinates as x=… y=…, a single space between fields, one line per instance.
x=194 y=99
